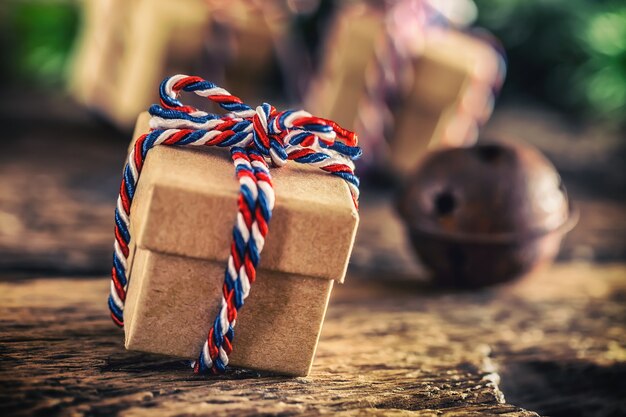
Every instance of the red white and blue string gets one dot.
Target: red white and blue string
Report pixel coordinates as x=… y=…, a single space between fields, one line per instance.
x=256 y=138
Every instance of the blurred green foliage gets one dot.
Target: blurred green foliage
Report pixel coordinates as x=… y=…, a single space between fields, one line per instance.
x=570 y=53
x=38 y=39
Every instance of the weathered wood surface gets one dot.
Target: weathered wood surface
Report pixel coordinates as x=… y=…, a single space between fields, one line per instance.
x=389 y=347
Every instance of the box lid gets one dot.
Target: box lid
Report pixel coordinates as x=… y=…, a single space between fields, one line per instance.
x=186 y=204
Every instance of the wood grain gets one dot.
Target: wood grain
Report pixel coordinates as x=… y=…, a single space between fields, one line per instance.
x=389 y=347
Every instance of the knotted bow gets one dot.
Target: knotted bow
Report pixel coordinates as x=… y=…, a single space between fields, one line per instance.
x=255 y=138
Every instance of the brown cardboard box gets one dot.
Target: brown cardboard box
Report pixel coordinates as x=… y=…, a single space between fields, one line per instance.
x=127 y=47
x=163 y=38
x=101 y=42
x=349 y=49
x=451 y=95
x=450 y=92
x=181 y=225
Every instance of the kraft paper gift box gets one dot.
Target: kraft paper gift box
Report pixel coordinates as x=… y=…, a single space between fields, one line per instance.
x=181 y=226
x=128 y=46
x=449 y=95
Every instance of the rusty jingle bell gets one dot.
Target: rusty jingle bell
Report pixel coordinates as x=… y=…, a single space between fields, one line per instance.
x=487 y=214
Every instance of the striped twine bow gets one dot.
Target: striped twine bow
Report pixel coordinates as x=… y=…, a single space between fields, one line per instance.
x=255 y=138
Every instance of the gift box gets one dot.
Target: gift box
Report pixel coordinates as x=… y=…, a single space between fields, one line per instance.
x=126 y=47
x=182 y=217
x=445 y=95
x=451 y=96
x=130 y=46
x=349 y=48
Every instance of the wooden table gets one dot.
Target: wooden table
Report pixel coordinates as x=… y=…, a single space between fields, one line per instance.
x=393 y=345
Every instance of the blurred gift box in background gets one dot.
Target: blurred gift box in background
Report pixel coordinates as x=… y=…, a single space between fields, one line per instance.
x=567 y=53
